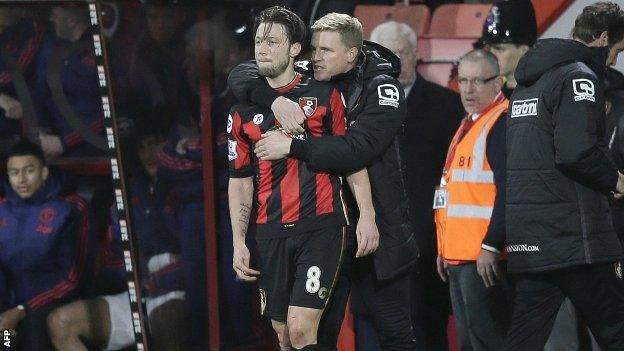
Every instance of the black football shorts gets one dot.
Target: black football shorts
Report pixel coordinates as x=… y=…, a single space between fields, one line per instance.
x=299 y=270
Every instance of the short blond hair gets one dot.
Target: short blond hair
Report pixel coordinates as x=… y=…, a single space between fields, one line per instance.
x=350 y=28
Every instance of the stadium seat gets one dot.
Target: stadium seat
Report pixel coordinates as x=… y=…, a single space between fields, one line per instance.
x=443 y=48
x=416 y=16
x=436 y=56
x=459 y=20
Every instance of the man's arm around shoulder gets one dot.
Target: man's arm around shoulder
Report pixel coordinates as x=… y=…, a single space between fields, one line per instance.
x=371 y=131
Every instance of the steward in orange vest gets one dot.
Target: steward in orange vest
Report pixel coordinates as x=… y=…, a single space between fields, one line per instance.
x=469 y=212
x=464 y=200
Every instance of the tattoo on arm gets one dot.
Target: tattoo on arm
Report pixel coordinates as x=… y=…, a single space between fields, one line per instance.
x=245 y=212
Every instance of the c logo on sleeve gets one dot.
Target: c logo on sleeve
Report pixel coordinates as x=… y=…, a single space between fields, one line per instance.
x=583 y=90
x=388 y=95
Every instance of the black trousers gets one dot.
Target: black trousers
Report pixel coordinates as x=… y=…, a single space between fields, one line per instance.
x=597 y=292
x=431 y=304
x=387 y=303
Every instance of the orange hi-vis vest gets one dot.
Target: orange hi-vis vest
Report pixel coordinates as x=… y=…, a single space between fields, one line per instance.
x=468 y=182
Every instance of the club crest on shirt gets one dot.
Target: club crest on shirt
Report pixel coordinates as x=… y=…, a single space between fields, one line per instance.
x=308 y=105
x=46 y=216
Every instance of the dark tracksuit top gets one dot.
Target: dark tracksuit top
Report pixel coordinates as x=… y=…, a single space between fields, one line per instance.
x=80 y=90
x=45 y=246
x=184 y=172
x=155 y=220
x=21 y=42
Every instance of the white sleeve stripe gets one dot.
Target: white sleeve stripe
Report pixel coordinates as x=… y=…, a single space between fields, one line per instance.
x=490 y=248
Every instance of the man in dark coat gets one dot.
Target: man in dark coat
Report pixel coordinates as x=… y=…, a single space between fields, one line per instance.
x=560 y=238
x=433 y=116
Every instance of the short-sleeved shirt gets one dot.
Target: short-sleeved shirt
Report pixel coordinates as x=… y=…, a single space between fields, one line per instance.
x=291 y=197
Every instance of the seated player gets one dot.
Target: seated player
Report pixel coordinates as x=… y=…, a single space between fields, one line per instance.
x=67 y=93
x=45 y=240
x=20 y=39
x=106 y=321
x=180 y=166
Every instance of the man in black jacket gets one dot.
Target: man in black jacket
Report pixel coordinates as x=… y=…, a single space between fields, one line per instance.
x=508 y=32
x=376 y=111
x=560 y=238
x=429 y=128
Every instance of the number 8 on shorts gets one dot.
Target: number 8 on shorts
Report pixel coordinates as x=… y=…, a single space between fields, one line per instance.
x=313 y=284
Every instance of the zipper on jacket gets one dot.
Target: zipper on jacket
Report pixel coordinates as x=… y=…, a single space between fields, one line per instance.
x=584 y=229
